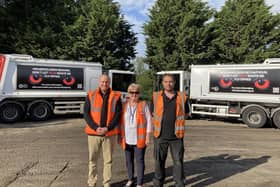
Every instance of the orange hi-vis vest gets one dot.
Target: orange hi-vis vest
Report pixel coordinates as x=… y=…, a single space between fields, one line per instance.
x=96 y=101
x=180 y=113
x=141 y=122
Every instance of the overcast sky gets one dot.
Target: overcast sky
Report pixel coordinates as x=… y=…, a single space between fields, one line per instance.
x=136 y=11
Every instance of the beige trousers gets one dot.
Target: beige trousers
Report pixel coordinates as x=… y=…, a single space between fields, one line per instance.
x=95 y=144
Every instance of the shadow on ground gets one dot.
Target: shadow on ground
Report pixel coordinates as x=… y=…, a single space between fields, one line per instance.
x=211 y=169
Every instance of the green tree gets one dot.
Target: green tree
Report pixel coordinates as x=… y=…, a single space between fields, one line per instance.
x=102 y=35
x=5 y=22
x=246 y=32
x=89 y=30
x=35 y=27
x=144 y=77
x=178 y=34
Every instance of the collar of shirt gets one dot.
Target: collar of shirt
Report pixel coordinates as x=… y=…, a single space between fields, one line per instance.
x=164 y=95
x=104 y=94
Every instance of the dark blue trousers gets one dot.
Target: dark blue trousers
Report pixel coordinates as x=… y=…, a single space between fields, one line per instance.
x=130 y=151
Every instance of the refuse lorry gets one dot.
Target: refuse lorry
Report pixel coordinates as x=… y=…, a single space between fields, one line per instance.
x=247 y=91
x=37 y=88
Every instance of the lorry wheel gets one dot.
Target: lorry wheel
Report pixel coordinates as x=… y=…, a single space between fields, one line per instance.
x=254 y=117
x=11 y=112
x=39 y=111
x=276 y=119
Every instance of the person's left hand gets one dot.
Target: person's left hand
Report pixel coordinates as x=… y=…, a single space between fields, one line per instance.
x=147 y=140
x=104 y=130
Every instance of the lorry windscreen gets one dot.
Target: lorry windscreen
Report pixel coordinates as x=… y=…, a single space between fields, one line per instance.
x=121 y=81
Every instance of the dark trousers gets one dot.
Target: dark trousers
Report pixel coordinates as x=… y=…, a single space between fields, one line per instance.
x=160 y=154
x=130 y=151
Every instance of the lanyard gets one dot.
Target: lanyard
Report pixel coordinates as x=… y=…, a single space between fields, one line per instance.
x=132 y=111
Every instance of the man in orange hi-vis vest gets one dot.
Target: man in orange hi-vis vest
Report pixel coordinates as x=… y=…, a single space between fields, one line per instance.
x=102 y=113
x=169 y=109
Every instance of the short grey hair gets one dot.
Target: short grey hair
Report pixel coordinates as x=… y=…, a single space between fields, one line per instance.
x=134 y=86
x=105 y=75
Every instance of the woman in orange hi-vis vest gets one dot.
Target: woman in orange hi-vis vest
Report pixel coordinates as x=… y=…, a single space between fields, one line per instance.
x=135 y=130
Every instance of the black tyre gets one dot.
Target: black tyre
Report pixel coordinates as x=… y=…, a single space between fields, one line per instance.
x=11 y=112
x=254 y=117
x=195 y=116
x=39 y=111
x=276 y=119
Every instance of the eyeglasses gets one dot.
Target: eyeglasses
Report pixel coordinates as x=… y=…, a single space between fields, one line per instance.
x=134 y=93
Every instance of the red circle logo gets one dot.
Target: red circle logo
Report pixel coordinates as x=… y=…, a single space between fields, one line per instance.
x=262 y=84
x=225 y=83
x=69 y=81
x=35 y=78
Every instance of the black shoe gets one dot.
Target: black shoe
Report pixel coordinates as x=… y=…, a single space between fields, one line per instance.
x=129 y=185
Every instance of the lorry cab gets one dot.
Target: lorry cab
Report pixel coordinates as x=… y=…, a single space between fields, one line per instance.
x=120 y=80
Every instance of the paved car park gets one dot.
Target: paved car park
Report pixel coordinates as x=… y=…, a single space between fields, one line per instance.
x=54 y=154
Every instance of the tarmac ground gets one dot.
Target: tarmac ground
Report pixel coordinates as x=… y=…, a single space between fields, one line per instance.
x=217 y=153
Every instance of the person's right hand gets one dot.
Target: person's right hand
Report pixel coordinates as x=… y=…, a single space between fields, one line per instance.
x=104 y=130
x=100 y=131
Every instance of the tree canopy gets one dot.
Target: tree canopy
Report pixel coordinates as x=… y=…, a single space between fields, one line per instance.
x=247 y=32
x=35 y=27
x=186 y=32
x=101 y=34
x=178 y=34
x=88 y=30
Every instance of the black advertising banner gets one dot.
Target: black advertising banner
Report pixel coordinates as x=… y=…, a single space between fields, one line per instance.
x=259 y=81
x=54 y=78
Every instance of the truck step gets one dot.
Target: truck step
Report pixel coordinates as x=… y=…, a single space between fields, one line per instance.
x=212 y=110
x=66 y=107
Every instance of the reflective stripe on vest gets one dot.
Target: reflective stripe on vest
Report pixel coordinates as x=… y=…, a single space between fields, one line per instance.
x=157 y=128
x=156 y=118
x=183 y=102
x=180 y=117
x=142 y=126
x=179 y=128
x=141 y=137
x=114 y=102
x=92 y=108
